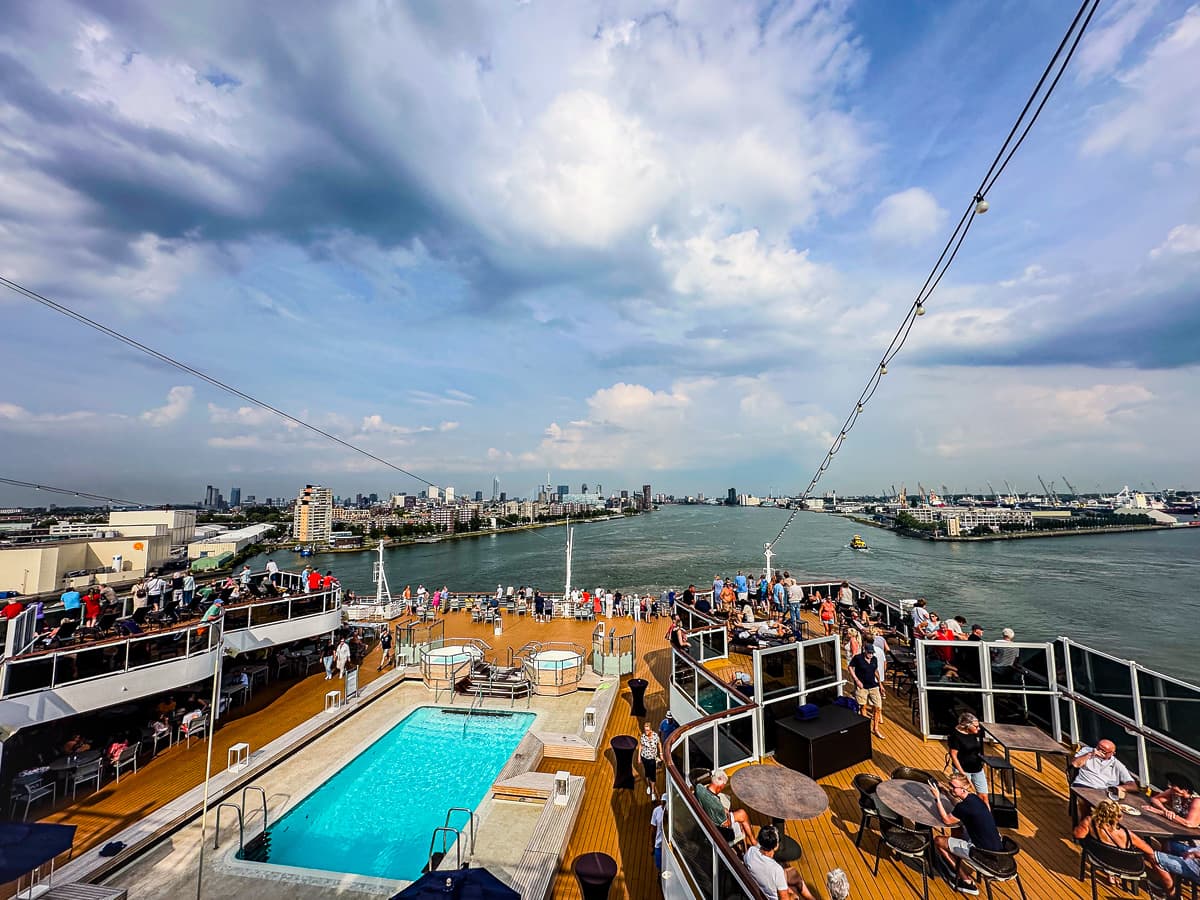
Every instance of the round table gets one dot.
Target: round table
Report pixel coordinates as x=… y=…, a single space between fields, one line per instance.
x=623 y=747
x=67 y=763
x=638 y=688
x=595 y=873
x=782 y=794
x=910 y=800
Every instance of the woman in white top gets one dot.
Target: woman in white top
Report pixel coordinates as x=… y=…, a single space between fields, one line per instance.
x=650 y=750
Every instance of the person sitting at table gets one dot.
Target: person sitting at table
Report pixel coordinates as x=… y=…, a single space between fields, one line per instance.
x=1098 y=767
x=1179 y=802
x=161 y=727
x=1181 y=861
x=166 y=706
x=774 y=879
x=734 y=824
x=1104 y=825
x=702 y=605
x=965 y=751
x=115 y=749
x=76 y=744
x=976 y=819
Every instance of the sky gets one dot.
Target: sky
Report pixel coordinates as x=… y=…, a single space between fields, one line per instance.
x=616 y=242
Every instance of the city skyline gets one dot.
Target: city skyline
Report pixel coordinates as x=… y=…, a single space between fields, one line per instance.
x=527 y=260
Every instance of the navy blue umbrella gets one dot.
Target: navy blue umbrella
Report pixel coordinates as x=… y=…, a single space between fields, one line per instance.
x=25 y=846
x=461 y=884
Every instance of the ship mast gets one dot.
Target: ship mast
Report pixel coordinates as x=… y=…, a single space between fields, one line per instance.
x=379 y=576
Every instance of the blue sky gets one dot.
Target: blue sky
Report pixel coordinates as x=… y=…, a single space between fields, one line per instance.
x=618 y=242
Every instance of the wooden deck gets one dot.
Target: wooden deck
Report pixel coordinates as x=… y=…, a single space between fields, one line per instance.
x=617 y=823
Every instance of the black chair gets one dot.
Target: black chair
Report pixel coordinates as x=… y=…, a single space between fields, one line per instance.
x=998 y=865
x=909 y=844
x=103 y=626
x=62 y=635
x=30 y=789
x=128 y=757
x=151 y=739
x=865 y=785
x=1127 y=866
x=93 y=771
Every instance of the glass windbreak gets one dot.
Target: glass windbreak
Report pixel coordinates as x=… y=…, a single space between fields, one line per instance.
x=80 y=665
x=735 y=741
x=199 y=638
x=691 y=845
x=33 y=674
x=820 y=663
x=953 y=663
x=946 y=704
x=159 y=648
x=712 y=698
x=309 y=606
x=1105 y=681
x=1170 y=708
x=780 y=672
x=1166 y=767
x=700 y=753
x=771 y=713
x=1019 y=708
x=237 y=619
x=684 y=677
x=1033 y=668
x=266 y=613
x=1094 y=727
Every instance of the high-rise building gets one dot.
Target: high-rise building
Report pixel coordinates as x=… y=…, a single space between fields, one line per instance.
x=235 y=496
x=495 y=487
x=312 y=518
x=504 y=496
x=210 y=497
x=432 y=492
x=450 y=495
x=479 y=496
x=731 y=497
x=646 y=496
x=583 y=488
x=563 y=490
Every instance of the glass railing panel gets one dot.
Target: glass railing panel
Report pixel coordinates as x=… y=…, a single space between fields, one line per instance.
x=237 y=619
x=1166 y=766
x=1170 y=708
x=700 y=750
x=1105 y=681
x=1024 y=708
x=820 y=663
x=309 y=605
x=268 y=613
x=735 y=741
x=198 y=639
x=780 y=672
x=683 y=676
x=953 y=664
x=771 y=713
x=34 y=674
x=157 y=648
x=691 y=845
x=79 y=665
x=1033 y=669
x=947 y=704
x=1094 y=727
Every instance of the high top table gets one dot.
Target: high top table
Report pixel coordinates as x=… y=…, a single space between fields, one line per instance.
x=782 y=794
x=623 y=747
x=1022 y=737
x=595 y=873
x=637 y=686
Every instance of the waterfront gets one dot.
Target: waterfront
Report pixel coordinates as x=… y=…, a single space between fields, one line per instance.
x=1127 y=594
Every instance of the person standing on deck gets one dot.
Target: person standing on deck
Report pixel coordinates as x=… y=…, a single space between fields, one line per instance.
x=304 y=578
x=795 y=597
x=341 y=656
x=779 y=595
x=189 y=589
x=385 y=647
x=718 y=583
x=273 y=571
x=869 y=693
x=689 y=595
x=742 y=587
x=608 y=604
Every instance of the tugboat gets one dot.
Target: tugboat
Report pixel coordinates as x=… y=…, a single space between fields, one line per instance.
x=857 y=543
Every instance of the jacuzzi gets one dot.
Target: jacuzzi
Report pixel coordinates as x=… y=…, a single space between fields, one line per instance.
x=556 y=671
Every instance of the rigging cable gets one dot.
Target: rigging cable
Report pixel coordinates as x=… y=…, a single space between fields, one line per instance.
x=120 y=501
x=977 y=206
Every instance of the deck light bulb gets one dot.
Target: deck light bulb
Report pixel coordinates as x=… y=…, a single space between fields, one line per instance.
x=883 y=368
x=981 y=205
x=920 y=309
x=858 y=408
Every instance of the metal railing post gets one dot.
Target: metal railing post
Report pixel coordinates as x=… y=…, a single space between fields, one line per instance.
x=1136 y=694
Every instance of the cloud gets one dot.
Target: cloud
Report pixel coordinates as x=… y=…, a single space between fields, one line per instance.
x=1105 y=43
x=16 y=417
x=906 y=218
x=1155 y=112
x=245 y=415
x=1180 y=240
x=448 y=397
x=179 y=399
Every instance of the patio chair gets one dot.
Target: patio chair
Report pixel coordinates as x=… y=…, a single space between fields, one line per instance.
x=194 y=728
x=522 y=606
x=62 y=635
x=29 y=789
x=93 y=771
x=1127 y=866
x=102 y=627
x=908 y=844
x=865 y=784
x=999 y=865
x=151 y=740
x=128 y=757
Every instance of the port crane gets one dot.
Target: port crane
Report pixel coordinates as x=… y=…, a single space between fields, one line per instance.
x=1011 y=493
x=1071 y=488
x=994 y=494
x=1050 y=498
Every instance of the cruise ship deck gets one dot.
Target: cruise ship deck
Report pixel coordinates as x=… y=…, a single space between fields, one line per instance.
x=617 y=822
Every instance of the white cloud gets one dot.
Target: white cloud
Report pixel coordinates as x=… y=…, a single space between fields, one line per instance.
x=448 y=397
x=906 y=218
x=245 y=415
x=1180 y=240
x=1157 y=112
x=1105 y=44
x=17 y=417
x=179 y=399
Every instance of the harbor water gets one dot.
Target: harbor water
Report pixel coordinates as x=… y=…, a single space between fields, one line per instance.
x=1135 y=595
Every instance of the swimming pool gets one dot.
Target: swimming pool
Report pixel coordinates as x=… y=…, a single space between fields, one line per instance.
x=376 y=815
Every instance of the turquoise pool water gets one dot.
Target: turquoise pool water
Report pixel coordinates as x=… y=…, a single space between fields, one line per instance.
x=376 y=815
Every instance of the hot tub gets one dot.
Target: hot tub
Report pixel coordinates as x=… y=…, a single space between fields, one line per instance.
x=556 y=671
x=444 y=665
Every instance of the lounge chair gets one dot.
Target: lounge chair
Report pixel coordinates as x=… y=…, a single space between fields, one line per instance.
x=29 y=789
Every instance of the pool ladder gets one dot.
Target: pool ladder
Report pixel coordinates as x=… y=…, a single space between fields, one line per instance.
x=240 y=810
x=444 y=831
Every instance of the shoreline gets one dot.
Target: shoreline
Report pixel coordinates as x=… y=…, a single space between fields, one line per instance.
x=1014 y=535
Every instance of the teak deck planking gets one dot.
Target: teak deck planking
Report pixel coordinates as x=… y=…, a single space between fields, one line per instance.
x=617 y=822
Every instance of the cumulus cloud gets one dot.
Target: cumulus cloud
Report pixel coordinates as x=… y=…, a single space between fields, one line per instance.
x=1181 y=239
x=179 y=399
x=1105 y=44
x=907 y=217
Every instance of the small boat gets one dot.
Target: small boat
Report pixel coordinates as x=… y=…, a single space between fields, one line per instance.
x=857 y=543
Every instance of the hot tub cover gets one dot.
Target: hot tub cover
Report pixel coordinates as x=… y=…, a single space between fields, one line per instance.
x=26 y=845
x=463 y=884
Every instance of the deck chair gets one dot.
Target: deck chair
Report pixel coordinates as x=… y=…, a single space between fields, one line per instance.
x=63 y=634
x=93 y=771
x=128 y=757
x=28 y=790
x=102 y=627
x=194 y=728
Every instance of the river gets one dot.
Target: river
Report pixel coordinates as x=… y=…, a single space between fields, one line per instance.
x=1132 y=595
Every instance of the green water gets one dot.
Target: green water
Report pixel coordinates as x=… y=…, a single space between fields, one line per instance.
x=1135 y=595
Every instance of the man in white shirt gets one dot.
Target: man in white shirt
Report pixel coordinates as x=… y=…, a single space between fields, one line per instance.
x=273 y=571
x=1098 y=767
x=786 y=884
x=656 y=828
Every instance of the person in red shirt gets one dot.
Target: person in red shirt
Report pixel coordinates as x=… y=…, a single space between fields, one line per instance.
x=314 y=580
x=91 y=607
x=13 y=608
x=327 y=581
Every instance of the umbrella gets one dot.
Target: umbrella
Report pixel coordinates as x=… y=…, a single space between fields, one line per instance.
x=461 y=884
x=24 y=847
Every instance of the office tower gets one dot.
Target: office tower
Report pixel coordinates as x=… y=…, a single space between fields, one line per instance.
x=312 y=518
x=504 y=496
x=479 y=496
x=495 y=487
x=563 y=490
x=210 y=497
x=432 y=492
x=583 y=489
x=731 y=497
x=449 y=495
x=646 y=496
x=235 y=496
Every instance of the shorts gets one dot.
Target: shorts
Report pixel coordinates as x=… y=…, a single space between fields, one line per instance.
x=1188 y=869
x=743 y=596
x=979 y=782
x=869 y=697
x=960 y=848
x=650 y=767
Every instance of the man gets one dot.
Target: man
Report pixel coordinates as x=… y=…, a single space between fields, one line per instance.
x=1004 y=659
x=273 y=571
x=656 y=829
x=779 y=596
x=775 y=881
x=666 y=728
x=742 y=587
x=328 y=580
x=1098 y=767
x=71 y=599
x=13 y=608
x=718 y=584
x=385 y=647
x=702 y=605
x=976 y=819
x=154 y=590
x=189 y=589
x=869 y=691
x=734 y=824
x=689 y=595
x=795 y=596
x=314 y=580
x=341 y=657
x=976 y=633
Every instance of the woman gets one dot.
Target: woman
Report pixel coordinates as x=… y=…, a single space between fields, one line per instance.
x=91 y=607
x=827 y=613
x=327 y=659
x=1179 y=802
x=966 y=752
x=853 y=643
x=1104 y=825
x=677 y=635
x=650 y=750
